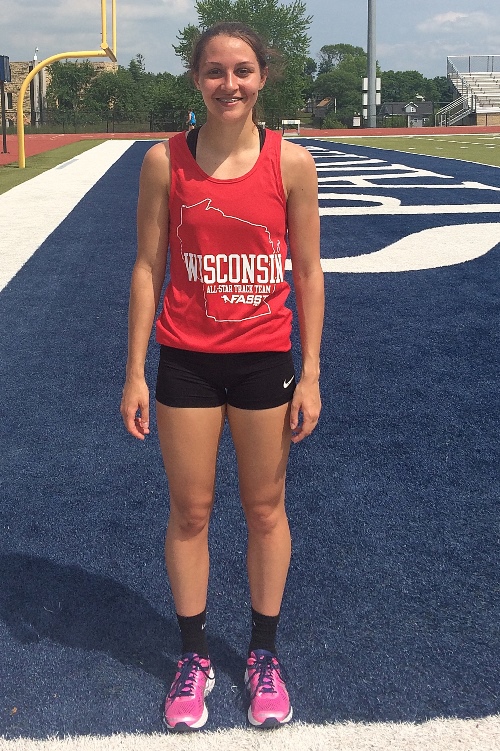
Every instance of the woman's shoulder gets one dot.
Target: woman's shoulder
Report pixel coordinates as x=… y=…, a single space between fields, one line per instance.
x=295 y=155
x=297 y=164
x=156 y=163
x=158 y=154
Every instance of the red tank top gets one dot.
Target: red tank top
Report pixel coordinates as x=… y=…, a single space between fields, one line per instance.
x=227 y=240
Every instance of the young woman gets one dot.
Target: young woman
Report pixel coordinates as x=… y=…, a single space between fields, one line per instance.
x=225 y=199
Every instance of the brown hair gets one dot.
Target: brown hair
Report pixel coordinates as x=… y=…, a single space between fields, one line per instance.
x=230 y=29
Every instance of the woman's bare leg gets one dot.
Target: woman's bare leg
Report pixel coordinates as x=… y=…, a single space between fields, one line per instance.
x=189 y=440
x=262 y=441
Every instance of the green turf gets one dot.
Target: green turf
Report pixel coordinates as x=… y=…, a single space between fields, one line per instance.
x=482 y=148
x=11 y=175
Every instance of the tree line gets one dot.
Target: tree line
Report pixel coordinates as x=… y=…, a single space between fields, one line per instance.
x=79 y=94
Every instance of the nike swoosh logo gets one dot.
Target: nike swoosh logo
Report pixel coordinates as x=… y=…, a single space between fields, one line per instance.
x=287 y=383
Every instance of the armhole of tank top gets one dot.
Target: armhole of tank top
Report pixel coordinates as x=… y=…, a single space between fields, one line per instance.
x=192 y=139
x=262 y=135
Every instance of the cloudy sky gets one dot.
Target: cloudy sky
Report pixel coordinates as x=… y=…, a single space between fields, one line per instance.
x=411 y=34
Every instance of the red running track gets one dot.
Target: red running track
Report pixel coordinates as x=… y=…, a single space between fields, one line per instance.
x=38 y=143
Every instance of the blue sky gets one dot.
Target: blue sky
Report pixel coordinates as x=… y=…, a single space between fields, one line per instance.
x=410 y=35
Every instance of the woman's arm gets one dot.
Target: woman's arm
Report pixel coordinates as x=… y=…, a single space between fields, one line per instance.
x=301 y=187
x=147 y=280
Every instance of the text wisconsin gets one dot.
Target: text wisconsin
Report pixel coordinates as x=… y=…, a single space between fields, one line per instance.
x=234 y=268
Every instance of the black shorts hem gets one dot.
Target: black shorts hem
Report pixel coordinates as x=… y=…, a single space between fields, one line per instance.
x=189 y=403
x=186 y=403
x=261 y=405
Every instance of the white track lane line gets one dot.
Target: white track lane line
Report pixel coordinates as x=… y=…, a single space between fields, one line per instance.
x=30 y=212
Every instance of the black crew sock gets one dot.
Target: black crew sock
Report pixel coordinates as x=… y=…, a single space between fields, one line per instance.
x=193 y=633
x=264 y=629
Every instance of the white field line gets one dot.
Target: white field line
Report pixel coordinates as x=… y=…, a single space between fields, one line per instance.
x=436 y=735
x=30 y=212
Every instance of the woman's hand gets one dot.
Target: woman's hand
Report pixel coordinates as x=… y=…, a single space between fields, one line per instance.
x=306 y=404
x=134 y=407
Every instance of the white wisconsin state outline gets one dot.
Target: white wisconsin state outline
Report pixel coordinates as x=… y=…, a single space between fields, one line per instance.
x=276 y=251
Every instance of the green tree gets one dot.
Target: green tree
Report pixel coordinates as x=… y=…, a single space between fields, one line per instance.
x=438 y=89
x=310 y=69
x=115 y=93
x=332 y=55
x=187 y=39
x=137 y=67
x=402 y=85
x=68 y=84
x=163 y=93
x=284 y=30
x=343 y=81
x=173 y=96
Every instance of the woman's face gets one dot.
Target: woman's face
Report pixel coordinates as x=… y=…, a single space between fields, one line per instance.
x=229 y=77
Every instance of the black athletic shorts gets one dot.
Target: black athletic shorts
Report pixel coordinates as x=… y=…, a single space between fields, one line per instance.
x=248 y=380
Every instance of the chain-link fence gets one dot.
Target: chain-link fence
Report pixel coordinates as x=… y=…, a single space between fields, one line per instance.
x=109 y=121
x=91 y=121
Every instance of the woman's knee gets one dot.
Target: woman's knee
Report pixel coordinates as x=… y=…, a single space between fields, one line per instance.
x=190 y=518
x=264 y=516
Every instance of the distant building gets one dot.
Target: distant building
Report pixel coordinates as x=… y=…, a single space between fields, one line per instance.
x=102 y=64
x=18 y=72
x=417 y=113
x=322 y=108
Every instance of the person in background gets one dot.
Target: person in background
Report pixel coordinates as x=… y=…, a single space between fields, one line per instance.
x=191 y=120
x=224 y=200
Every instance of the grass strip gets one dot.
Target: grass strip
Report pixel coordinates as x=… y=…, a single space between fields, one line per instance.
x=483 y=149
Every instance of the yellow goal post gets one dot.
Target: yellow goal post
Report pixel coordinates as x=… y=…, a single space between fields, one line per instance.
x=105 y=50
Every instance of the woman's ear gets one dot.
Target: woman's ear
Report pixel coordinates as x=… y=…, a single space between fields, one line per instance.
x=196 y=80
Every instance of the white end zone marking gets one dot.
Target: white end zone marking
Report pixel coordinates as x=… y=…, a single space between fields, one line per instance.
x=30 y=212
x=429 y=249
x=479 y=733
x=384 y=207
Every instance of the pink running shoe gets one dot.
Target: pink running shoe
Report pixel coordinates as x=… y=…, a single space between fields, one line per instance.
x=269 y=702
x=185 y=707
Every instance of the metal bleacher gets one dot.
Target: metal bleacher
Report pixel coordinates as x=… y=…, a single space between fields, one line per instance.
x=476 y=80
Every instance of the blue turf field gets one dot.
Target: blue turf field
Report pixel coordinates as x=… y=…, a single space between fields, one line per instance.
x=391 y=610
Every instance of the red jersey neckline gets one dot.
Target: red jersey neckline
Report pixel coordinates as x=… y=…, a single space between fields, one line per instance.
x=228 y=180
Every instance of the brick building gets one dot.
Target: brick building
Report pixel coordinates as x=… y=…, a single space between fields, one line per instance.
x=18 y=72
